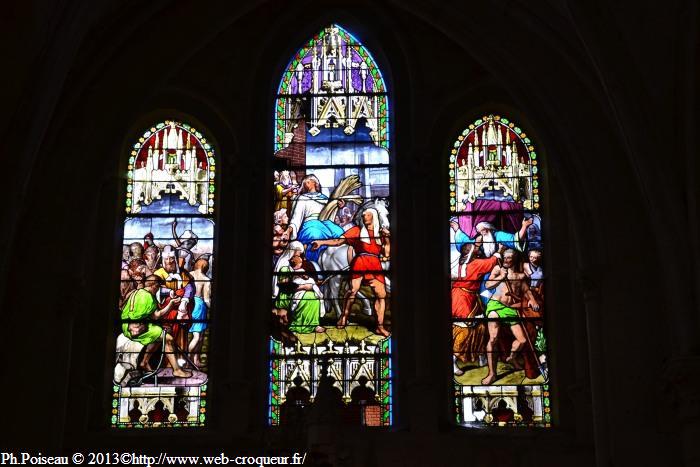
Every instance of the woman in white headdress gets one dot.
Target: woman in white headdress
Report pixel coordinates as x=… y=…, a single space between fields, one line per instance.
x=294 y=248
x=296 y=293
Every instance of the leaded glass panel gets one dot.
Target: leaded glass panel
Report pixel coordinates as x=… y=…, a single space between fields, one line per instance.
x=497 y=279
x=162 y=333
x=331 y=301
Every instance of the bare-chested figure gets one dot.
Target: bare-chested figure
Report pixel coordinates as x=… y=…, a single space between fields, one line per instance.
x=132 y=278
x=202 y=302
x=135 y=251
x=151 y=256
x=511 y=288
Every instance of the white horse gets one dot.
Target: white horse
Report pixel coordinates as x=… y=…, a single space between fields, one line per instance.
x=336 y=258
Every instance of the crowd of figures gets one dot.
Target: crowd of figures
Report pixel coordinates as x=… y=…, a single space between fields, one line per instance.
x=497 y=302
x=165 y=295
x=329 y=252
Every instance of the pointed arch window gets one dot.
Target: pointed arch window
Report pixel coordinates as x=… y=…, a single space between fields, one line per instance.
x=162 y=333
x=497 y=281
x=331 y=301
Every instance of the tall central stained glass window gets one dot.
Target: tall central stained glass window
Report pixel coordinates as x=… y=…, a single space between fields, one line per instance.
x=331 y=251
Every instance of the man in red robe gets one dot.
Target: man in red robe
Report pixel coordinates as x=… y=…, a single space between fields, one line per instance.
x=471 y=270
x=371 y=246
x=469 y=340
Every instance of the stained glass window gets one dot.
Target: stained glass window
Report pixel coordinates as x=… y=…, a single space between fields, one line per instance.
x=331 y=288
x=497 y=279
x=162 y=318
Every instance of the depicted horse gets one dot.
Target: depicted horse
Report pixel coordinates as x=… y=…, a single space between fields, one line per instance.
x=337 y=258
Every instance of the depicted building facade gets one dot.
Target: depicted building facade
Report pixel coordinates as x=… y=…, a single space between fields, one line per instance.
x=495 y=163
x=170 y=162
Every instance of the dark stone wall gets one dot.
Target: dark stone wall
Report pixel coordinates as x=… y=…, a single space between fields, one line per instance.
x=607 y=91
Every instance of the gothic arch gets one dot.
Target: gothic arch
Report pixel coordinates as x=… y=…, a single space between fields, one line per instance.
x=497 y=290
x=166 y=278
x=331 y=219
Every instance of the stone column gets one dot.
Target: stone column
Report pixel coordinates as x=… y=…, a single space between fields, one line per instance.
x=681 y=391
x=591 y=299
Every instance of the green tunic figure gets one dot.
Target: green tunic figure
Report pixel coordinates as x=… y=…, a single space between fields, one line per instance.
x=139 y=307
x=303 y=305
